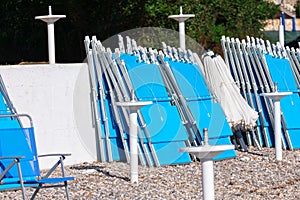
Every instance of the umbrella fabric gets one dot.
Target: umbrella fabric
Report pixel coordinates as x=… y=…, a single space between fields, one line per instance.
x=238 y=113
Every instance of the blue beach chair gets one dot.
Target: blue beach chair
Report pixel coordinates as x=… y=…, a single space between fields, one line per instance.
x=19 y=166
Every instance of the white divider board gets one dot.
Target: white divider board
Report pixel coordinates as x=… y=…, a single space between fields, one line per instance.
x=58 y=99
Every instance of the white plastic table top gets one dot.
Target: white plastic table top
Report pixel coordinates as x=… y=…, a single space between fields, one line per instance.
x=181 y=17
x=206 y=151
x=276 y=95
x=50 y=18
x=134 y=105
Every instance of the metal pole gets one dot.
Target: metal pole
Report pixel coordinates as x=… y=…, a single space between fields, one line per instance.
x=51 y=43
x=129 y=87
x=281 y=35
x=248 y=66
x=283 y=20
x=182 y=34
x=277 y=119
x=207 y=173
x=94 y=97
x=206 y=153
x=121 y=94
x=208 y=179
x=133 y=147
x=133 y=106
x=50 y=20
x=99 y=63
x=181 y=18
x=178 y=97
x=276 y=96
x=294 y=24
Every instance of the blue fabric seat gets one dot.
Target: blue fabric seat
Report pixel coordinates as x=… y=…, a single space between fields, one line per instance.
x=19 y=165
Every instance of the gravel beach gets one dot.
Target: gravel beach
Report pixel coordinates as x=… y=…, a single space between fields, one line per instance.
x=251 y=175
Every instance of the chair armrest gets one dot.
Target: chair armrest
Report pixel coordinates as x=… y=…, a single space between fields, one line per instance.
x=16 y=160
x=59 y=162
x=11 y=157
x=55 y=154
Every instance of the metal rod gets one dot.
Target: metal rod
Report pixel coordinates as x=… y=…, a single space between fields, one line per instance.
x=181 y=18
x=50 y=20
x=176 y=92
x=208 y=179
x=129 y=87
x=276 y=96
x=271 y=85
x=104 y=67
x=133 y=147
x=103 y=108
x=232 y=63
x=95 y=110
x=248 y=87
x=123 y=96
x=262 y=82
x=250 y=62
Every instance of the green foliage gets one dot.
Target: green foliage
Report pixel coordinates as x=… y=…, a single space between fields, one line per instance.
x=213 y=19
x=22 y=38
x=297 y=7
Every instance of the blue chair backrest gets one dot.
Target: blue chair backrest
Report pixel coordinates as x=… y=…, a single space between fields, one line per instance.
x=190 y=81
x=146 y=79
x=281 y=72
x=3 y=107
x=19 y=142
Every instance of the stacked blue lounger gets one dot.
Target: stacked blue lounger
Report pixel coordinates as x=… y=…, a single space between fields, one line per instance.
x=281 y=72
x=207 y=112
x=162 y=118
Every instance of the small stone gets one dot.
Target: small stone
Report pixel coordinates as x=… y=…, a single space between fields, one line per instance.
x=89 y=171
x=245 y=159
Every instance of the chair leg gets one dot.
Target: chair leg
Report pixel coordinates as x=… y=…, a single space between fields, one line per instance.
x=21 y=180
x=64 y=175
x=36 y=191
x=40 y=185
x=67 y=190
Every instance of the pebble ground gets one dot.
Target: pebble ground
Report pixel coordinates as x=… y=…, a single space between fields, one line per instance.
x=251 y=175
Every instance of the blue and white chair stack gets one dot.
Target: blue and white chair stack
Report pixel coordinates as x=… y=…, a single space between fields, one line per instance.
x=256 y=65
x=182 y=104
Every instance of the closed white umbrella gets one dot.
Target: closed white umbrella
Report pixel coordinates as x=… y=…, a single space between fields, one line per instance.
x=238 y=113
